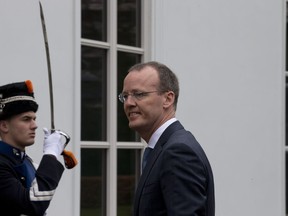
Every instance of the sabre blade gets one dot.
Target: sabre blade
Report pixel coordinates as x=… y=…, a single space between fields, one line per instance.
x=48 y=66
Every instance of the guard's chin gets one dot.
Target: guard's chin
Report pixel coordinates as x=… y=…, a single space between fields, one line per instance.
x=30 y=142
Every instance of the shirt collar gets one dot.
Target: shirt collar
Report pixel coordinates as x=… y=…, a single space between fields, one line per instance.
x=156 y=135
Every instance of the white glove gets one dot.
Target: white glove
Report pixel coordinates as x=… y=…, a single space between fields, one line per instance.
x=52 y=143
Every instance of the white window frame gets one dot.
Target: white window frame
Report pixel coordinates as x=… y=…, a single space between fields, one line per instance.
x=111 y=145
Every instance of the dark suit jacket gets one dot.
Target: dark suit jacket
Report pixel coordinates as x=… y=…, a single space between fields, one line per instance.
x=177 y=179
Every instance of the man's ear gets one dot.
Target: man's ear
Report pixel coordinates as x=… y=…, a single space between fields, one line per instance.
x=3 y=125
x=169 y=99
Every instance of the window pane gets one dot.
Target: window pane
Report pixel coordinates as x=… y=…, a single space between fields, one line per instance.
x=286 y=167
x=93 y=182
x=125 y=61
x=129 y=22
x=127 y=179
x=93 y=94
x=286 y=112
x=286 y=36
x=94 y=19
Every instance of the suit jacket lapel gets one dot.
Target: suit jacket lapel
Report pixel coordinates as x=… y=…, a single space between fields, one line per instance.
x=154 y=155
x=158 y=149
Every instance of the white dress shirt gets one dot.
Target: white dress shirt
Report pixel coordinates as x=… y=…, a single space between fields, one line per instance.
x=156 y=135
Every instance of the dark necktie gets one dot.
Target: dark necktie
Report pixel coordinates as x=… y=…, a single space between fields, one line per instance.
x=145 y=157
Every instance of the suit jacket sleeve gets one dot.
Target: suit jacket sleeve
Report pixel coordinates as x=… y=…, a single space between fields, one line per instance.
x=183 y=181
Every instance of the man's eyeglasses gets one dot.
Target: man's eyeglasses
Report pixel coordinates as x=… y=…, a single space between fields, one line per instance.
x=136 y=95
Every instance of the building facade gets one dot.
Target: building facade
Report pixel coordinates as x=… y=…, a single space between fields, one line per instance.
x=230 y=58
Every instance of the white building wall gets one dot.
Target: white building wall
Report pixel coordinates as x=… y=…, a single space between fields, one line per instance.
x=229 y=58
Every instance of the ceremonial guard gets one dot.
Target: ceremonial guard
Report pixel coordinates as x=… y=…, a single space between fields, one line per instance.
x=25 y=188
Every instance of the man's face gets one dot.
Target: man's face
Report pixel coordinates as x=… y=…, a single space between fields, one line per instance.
x=20 y=130
x=146 y=114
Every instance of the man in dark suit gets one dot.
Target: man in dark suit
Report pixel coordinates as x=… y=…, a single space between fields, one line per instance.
x=177 y=178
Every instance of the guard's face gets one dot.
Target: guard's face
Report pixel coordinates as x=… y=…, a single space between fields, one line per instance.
x=20 y=130
x=145 y=113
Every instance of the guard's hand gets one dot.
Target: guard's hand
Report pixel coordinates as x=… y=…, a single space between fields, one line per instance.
x=53 y=144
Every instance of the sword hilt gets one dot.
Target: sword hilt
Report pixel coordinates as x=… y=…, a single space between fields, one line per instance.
x=67 y=137
x=69 y=158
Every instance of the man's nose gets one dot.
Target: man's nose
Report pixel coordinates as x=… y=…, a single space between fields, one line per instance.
x=34 y=125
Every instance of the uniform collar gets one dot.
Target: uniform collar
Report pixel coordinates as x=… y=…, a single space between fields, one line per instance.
x=11 y=151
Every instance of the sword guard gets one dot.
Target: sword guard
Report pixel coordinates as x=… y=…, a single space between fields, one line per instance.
x=65 y=135
x=68 y=156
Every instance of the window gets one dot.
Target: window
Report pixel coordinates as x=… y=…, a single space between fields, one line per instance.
x=93 y=181
x=112 y=40
x=286 y=108
x=93 y=94
x=124 y=60
x=127 y=176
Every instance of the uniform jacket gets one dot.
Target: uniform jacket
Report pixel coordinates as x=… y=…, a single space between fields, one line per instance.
x=177 y=179
x=25 y=190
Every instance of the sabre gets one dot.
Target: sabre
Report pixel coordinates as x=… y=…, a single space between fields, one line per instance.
x=69 y=158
